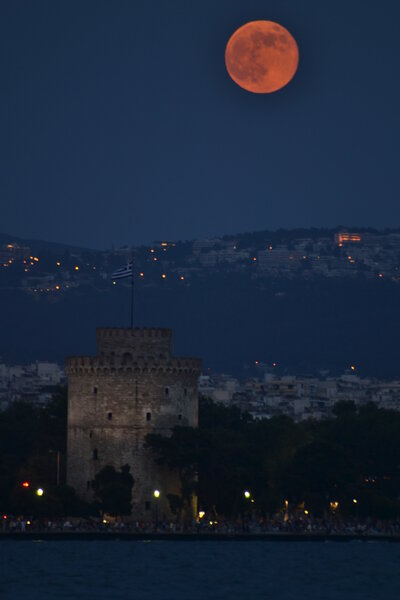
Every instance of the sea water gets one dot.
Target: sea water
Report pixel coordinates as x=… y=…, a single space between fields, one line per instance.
x=215 y=570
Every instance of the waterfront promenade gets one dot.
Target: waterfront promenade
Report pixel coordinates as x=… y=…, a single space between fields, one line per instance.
x=295 y=529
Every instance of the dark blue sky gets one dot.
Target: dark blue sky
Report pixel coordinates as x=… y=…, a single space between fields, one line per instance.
x=119 y=123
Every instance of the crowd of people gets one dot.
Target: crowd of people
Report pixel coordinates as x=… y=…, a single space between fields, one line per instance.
x=296 y=524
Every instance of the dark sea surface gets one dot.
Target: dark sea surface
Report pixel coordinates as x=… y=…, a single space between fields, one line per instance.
x=213 y=570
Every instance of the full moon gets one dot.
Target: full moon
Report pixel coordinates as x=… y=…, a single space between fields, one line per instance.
x=262 y=57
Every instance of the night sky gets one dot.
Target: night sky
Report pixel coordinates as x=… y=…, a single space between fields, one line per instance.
x=119 y=123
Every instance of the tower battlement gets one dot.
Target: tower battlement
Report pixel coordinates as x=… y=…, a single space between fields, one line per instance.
x=139 y=341
x=76 y=365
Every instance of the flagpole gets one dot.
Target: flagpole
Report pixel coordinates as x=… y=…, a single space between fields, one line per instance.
x=132 y=285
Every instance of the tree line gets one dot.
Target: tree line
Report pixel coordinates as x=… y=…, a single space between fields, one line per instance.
x=348 y=464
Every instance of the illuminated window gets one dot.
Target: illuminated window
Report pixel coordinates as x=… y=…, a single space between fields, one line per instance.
x=148 y=416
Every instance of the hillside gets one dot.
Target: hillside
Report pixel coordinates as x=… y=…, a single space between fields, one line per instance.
x=231 y=312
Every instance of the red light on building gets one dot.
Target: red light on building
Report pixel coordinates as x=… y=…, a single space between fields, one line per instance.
x=25 y=484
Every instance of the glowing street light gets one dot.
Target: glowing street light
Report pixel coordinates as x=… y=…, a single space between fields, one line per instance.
x=156 y=495
x=247 y=494
x=39 y=492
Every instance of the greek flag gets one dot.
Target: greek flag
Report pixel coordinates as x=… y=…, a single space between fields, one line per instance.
x=122 y=272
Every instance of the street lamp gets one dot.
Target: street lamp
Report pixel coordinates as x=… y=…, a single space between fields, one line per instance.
x=247 y=494
x=156 y=495
x=39 y=492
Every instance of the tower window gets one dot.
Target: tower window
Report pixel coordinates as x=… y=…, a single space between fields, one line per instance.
x=109 y=416
x=148 y=416
x=95 y=454
x=95 y=389
x=91 y=434
x=167 y=391
x=185 y=391
x=179 y=417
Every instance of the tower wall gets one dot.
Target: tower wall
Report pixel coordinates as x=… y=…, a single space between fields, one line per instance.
x=131 y=388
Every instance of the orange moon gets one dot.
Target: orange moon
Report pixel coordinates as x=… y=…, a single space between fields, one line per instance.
x=262 y=57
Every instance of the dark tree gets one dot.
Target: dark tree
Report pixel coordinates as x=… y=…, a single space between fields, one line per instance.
x=114 y=490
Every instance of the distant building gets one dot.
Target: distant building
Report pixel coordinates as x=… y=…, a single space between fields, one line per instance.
x=345 y=237
x=298 y=397
x=11 y=252
x=34 y=383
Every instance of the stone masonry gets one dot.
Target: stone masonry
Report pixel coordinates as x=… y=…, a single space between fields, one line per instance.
x=134 y=386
